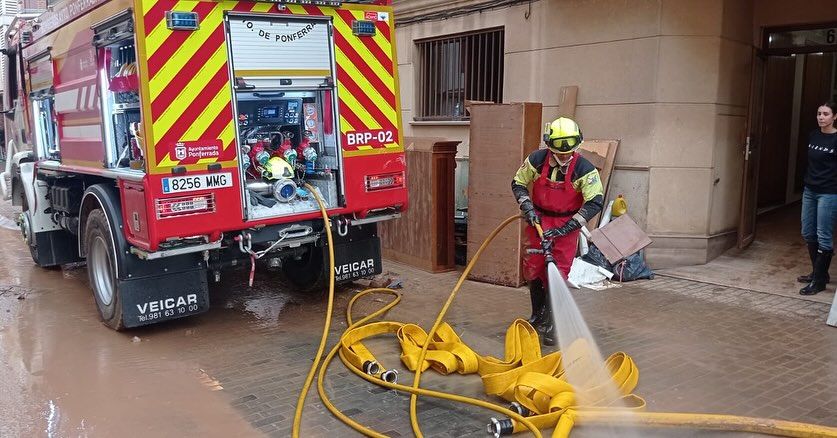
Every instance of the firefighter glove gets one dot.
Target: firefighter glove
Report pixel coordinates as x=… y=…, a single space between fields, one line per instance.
x=571 y=225
x=527 y=209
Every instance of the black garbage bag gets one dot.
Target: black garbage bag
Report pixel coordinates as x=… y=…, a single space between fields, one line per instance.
x=629 y=269
x=595 y=257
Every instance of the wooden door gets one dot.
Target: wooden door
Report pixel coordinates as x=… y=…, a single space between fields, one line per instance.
x=752 y=142
x=776 y=124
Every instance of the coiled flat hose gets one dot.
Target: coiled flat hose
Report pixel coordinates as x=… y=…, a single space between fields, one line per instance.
x=542 y=391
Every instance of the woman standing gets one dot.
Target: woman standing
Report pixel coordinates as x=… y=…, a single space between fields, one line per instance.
x=819 y=199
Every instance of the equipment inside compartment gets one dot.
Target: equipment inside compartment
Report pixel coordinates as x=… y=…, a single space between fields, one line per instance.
x=122 y=103
x=287 y=139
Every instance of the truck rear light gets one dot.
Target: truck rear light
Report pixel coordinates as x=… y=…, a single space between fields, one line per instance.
x=185 y=205
x=384 y=181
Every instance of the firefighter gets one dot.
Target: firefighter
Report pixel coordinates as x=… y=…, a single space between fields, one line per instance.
x=566 y=193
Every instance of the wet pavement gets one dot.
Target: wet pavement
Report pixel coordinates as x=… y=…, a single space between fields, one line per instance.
x=64 y=374
x=237 y=370
x=770 y=264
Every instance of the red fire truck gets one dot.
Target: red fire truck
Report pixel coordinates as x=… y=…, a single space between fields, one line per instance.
x=164 y=141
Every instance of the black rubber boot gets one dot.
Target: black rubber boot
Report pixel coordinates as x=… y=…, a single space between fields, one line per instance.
x=812 y=252
x=548 y=337
x=546 y=329
x=818 y=282
x=538 y=296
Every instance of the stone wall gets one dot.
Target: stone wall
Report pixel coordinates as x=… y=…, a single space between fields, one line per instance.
x=669 y=78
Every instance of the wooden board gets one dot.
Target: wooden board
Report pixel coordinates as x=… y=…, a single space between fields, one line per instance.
x=602 y=153
x=568 y=98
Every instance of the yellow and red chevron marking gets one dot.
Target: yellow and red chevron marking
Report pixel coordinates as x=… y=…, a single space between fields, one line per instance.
x=366 y=79
x=189 y=96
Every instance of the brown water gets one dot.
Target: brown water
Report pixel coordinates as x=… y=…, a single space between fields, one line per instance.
x=583 y=362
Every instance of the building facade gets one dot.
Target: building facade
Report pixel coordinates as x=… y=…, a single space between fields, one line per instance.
x=671 y=79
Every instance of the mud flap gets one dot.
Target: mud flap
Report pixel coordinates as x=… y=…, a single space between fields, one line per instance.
x=55 y=248
x=160 y=298
x=357 y=255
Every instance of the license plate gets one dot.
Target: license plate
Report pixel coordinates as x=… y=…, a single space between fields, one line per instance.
x=178 y=184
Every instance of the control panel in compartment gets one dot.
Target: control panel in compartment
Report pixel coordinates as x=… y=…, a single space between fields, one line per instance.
x=287 y=140
x=122 y=104
x=284 y=112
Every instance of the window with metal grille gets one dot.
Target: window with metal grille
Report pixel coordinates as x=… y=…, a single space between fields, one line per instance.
x=457 y=68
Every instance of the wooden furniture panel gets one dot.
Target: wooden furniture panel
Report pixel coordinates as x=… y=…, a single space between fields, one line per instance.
x=502 y=136
x=423 y=236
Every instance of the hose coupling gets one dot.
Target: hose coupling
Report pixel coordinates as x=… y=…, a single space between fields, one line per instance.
x=390 y=376
x=371 y=367
x=499 y=428
x=521 y=410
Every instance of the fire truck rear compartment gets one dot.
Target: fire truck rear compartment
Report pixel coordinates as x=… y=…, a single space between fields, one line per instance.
x=285 y=106
x=283 y=146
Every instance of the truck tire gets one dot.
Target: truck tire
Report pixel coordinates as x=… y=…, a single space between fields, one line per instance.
x=26 y=230
x=309 y=273
x=102 y=269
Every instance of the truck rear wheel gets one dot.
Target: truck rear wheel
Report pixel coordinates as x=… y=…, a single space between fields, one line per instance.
x=308 y=273
x=25 y=222
x=102 y=269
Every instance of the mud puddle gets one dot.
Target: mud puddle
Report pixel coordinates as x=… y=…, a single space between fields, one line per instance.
x=62 y=373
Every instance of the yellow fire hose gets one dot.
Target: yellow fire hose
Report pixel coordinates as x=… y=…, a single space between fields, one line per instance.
x=535 y=383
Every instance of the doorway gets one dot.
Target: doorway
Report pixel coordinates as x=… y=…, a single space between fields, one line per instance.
x=792 y=74
x=794 y=71
x=794 y=86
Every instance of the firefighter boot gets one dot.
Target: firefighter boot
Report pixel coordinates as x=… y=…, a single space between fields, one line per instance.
x=538 y=297
x=818 y=280
x=546 y=329
x=548 y=335
x=812 y=252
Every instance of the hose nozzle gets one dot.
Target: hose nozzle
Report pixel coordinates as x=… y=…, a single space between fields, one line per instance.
x=498 y=428
x=390 y=376
x=371 y=367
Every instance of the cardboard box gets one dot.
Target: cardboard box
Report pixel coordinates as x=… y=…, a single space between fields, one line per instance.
x=619 y=239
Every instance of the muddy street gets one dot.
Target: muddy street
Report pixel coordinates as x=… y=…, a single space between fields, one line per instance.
x=237 y=369
x=65 y=374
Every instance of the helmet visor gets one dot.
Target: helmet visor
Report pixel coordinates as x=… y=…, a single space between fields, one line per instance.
x=563 y=145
